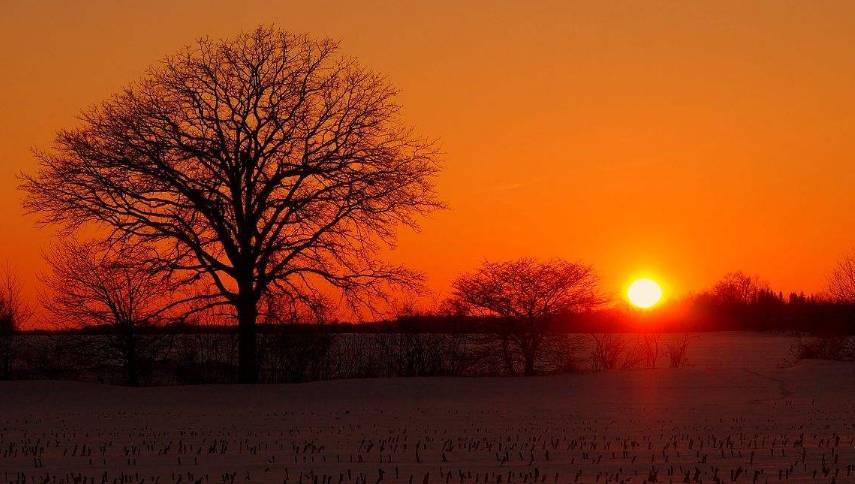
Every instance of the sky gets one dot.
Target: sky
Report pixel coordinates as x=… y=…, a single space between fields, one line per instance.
x=679 y=140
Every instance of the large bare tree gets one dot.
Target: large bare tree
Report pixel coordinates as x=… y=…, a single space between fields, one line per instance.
x=264 y=162
x=527 y=296
x=94 y=285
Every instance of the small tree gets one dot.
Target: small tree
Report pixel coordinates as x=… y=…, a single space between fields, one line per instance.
x=526 y=296
x=97 y=286
x=13 y=312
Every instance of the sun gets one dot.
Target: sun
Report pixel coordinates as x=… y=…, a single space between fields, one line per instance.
x=644 y=293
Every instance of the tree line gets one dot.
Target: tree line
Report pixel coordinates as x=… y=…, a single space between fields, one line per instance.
x=521 y=317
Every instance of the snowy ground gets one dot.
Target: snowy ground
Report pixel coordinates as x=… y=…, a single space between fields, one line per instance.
x=713 y=422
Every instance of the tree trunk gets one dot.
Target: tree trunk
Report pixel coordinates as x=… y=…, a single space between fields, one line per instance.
x=530 y=344
x=507 y=357
x=247 y=345
x=529 y=363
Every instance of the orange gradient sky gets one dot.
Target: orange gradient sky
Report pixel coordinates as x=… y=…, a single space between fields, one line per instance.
x=675 y=139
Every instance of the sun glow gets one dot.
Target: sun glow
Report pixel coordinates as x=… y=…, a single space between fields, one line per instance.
x=644 y=293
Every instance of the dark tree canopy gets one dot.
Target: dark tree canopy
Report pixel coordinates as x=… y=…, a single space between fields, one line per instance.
x=841 y=283
x=264 y=162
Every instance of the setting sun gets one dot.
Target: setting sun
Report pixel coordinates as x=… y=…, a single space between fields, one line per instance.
x=644 y=293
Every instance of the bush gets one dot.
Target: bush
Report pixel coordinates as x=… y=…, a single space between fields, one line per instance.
x=836 y=348
x=296 y=357
x=202 y=358
x=607 y=351
x=678 y=351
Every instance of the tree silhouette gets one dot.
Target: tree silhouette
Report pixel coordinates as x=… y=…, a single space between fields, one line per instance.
x=527 y=296
x=14 y=311
x=739 y=288
x=94 y=285
x=841 y=284
x=262 y=163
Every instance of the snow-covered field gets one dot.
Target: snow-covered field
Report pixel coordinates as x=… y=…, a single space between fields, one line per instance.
x=746 y=418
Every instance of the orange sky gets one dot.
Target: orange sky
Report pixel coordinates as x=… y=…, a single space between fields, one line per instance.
x=682 y=139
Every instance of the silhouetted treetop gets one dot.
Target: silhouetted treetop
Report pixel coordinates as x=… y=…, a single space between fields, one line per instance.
x=841 y=283
x=527 y=289
x=739 y=288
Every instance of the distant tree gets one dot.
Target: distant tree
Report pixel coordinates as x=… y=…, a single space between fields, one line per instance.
x=841 y=284
x=526 y=296
x=97 y=286
x=261 y=163
x=739 y=301
x=739 y=288
x=14 y=311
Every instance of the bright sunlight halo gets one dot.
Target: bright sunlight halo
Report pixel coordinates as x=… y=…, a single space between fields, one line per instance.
x=644 y=293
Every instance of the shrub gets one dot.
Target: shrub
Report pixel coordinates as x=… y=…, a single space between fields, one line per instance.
x=836 y=348
x=607 y=351
x=677 y=351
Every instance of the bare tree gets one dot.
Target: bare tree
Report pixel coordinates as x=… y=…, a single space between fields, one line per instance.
x=738 y=288
x=263 y=163
x=14 y=311
x=841 y=284
x=527 y=296
x=93 y=285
